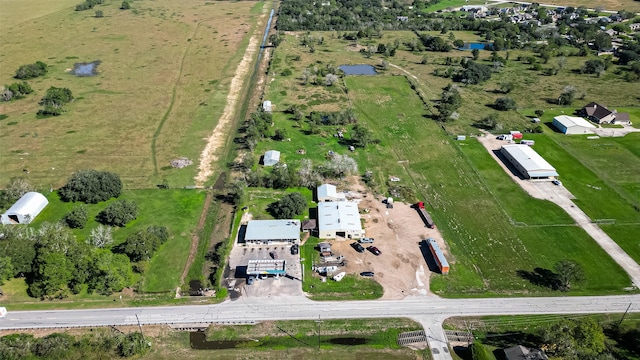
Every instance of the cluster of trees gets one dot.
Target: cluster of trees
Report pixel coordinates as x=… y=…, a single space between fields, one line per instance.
x=435 y=43
x=15 y=91
x=56 y=264
x=30 y=71
x=327 y=75
x=288 y=206
x=450 y=101
x=13 y=191
x=88 y=4
x=141 y=245
x=100 y=345
x=91 y=187
x=54 y=101
x=345 y=117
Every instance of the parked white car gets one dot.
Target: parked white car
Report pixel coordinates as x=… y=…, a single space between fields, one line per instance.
x=366 y=241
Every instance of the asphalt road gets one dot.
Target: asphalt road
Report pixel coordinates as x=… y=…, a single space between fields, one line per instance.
x=428 y=311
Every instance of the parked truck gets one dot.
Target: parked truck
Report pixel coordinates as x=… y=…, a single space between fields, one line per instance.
x=425 y=215
x=438 y=256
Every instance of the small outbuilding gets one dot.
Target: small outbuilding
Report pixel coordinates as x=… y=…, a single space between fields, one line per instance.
x=25 y=209
x=570 y=125
x=271 y=158
x=328 y=192
x=266 y=106
x=528 y=162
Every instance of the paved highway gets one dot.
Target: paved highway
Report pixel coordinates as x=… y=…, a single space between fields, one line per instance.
x=429 y=311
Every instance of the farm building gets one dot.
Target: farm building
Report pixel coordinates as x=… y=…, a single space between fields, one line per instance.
x=266 y=267
x=25 y=209
x=272 y=231
x=266 y=106
x=339 y=219
x=328 y=192
x=271 y=158
x=528 y=162
x=573 y=125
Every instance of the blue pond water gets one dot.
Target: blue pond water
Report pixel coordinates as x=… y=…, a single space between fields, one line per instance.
x=476 y=45
x=358 y=69
x=86 y=69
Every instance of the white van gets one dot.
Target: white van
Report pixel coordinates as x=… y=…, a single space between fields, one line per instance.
x=3 y=311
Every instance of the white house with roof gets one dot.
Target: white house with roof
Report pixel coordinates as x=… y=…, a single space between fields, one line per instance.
x=272 y=231
x=528 y=162
x=573 y=125
x=339 y=219
x=328 y=192
x=25 y=209
x=271 y=158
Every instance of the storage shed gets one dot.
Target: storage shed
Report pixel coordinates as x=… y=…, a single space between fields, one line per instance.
x=266 y=106
x=271 y=158
x=528 y=162
x=328 y=192
x=573 y=125
x=25 y=209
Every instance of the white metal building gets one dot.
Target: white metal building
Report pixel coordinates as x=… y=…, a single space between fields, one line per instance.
x=271 y=158
x=573 y=125
x=25 y=209
x=528 y=162
x=339 y=219
x=328 y=192
x=272 y=231
x=266 y=106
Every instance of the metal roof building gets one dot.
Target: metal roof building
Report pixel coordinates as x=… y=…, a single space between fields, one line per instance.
x=573 y=125
x=271 y=158
x=270 y=231
x=528 y=162
x=266 y=267
x=328 y=192
x=25 y=209
x=339 y=219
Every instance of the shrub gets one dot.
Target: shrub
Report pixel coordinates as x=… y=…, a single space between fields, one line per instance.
x=118 y=213
x=479 y=352
x=30 y=71
x=16 y=91
x=91 y=187
x=141 y=245
x=54 y=100
x=125 y=5
x=505 y=103
x=78 y=216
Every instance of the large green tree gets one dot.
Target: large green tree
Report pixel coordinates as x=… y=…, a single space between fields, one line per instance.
x=118 y=213
x=142 y=244
x=109 y=272
x=91 y=186
x=288 y=206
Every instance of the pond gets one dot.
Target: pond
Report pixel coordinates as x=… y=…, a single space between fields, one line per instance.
x=86 y=69
x=198 y=341
x=477 y=45
x=361 y=69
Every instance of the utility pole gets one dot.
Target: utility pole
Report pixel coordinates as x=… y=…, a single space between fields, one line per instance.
x=625 y=314
x=318 y=322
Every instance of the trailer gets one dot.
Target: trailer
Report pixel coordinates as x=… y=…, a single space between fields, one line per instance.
x=438 y=256
x=425 y=215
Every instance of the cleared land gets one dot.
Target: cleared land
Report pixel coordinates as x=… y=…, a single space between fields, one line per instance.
x=157 y=96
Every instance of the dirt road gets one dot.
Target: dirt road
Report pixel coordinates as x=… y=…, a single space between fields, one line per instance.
x=559 y=195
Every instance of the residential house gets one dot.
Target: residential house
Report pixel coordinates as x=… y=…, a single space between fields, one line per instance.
x=601 y=115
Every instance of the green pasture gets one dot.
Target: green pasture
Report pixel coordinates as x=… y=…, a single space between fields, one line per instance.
x=156 y=97
x=487 y=250
x=351 y=287
x=16 y=12
x=178 y=210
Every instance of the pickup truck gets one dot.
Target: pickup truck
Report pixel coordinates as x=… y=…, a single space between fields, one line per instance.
x=366 y=241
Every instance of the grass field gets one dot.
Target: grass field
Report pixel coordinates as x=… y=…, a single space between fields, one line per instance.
x=177 y=209
x=156 y=97
x=16 y=12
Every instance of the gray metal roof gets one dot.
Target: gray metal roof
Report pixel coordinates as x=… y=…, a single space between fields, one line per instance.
x=272 y=230
x=339 y=216
x=569 y=121
x=530 y=160
x=266 y=267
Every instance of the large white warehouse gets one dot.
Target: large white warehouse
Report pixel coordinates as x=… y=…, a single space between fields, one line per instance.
x=573 y=125
x=339 y=219
x=528 y=162
x=25 y=209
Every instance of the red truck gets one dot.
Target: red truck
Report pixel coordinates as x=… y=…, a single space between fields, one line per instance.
x=425 y=215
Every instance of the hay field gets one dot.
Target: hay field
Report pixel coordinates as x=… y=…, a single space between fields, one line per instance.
x=165 y=72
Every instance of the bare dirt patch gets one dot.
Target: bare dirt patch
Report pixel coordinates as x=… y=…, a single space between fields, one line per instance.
x=217 y=138
x=401 y=268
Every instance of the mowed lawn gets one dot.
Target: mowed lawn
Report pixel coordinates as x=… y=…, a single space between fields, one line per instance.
x=178 y=210
x=165 y=72
x=487 y=250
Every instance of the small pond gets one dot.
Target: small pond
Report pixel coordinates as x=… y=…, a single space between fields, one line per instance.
x=86 y=69
x=358 y=69
x=198 y=341
x=477 y=46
